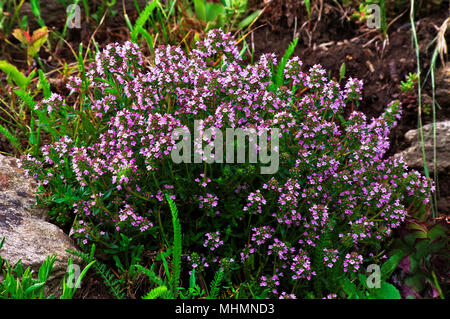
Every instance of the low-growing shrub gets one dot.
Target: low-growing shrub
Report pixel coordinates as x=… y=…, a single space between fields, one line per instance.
x=295 y=233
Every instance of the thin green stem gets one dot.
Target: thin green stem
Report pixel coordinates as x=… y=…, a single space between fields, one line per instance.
x=419 y=94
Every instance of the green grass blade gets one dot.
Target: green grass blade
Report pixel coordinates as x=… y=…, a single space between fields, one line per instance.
x=249 y=20
x=419 y=94
x=308 y=8
x=433 y=92
x=35 y=8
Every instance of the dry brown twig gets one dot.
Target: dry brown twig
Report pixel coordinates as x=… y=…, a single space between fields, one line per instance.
x=441 y=43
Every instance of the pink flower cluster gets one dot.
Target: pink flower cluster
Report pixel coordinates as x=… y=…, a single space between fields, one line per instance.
x=197 y=262
x=336 y=191
x=352 y=262
x=212 y=241
x=261 y=234
x=271 y=283
x=330 y=257
x=301 y=266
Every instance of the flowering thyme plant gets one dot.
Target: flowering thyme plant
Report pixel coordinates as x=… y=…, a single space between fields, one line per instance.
x=295 y=233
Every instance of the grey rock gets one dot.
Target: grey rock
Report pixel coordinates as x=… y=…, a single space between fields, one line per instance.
x=413 y=154
x=28 y=234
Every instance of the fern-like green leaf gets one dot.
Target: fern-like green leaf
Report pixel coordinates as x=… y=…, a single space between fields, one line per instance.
x=11 y=138
x=215 y=284
x=278 y=78
x=14 y=74
x=44 y=84
x=26 y=98
x=176 y=260
x=141 y=20
x=151 y=275
x=156 y=293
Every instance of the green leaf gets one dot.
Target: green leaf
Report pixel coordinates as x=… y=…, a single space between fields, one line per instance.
x=59 y=200
x=14 y=74
x=37 y=40
x=436 y=231
x=35 y=7
x=46 y=268
x=31 y=76
x=37 y=11
x=308 y=8
x=128 y=22
x=213 y=10
x=422 y=248
x=391 y=264
x=349 y=288
x=83 y=273
x=342 y=71
x=200 y=12
x=29 y=290
x=192 y=279
x=410 y=239
x=249 y=20
x=108 y=193
x=386 y=291
x=150 y=274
